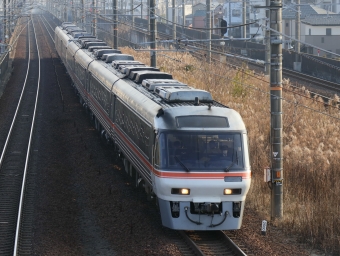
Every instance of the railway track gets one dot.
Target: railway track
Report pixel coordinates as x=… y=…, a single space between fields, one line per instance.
x=15 y=157
x=214 y=243
x=312 y=80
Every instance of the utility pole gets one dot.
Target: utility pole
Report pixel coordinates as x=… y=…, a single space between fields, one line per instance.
x=174 y=19
x=267 y=40
x=276 y=109
x=297 y=34
x=297 y=63
x=208 y=26
x=153 y=26
x=115 y=24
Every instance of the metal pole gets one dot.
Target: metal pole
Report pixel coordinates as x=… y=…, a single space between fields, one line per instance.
x=115 y=24
x=153 y=26
x=213 y=22
x=74 y=14
x=83 y=14
x=174 y=19
x=10 y=18
x=65 y=12
x=297 y=32
x=95 y=17
x=192 y=13
x=244 y=16
x=208 y=33
x=267 y=40
x=132 y=19
x=229 y=24
x=5 y=21
x=183 y=12
x=276 y=109
x=148 y=14
x=166 y=12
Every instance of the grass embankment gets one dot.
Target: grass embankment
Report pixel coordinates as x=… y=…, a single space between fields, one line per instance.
x=311 y=144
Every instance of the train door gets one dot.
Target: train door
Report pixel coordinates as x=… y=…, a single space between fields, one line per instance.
x=88 y=81
x=112 y=105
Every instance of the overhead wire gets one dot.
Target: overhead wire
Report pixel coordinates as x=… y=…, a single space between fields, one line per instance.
x=249 y=86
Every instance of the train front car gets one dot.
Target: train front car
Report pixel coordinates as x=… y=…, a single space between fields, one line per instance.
x=202 y=170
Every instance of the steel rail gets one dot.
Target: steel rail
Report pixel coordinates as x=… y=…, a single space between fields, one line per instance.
x=220 y=245
x=17 y=109
x=312 y=79
x=28 y=154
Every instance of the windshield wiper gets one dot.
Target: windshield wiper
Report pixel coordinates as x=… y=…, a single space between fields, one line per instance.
x=232 y=164
x=181 y=163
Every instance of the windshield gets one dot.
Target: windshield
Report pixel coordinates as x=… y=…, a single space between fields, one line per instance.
x=199 y=151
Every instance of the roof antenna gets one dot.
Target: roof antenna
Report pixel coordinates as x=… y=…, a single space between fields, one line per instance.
x=197 y=102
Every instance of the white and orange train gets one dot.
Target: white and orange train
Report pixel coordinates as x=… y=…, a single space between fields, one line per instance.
x=188 y=151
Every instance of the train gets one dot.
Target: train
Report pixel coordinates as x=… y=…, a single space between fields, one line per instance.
x=186 y=150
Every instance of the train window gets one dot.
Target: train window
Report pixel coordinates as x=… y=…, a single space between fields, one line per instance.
x=100 y=93
x=138 y=130
x=202 y=151
x=157 y=155
x=202 y=121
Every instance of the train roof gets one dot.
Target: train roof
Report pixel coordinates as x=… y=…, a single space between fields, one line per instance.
x=138 y=76
x=167 y=97
x=138 y=101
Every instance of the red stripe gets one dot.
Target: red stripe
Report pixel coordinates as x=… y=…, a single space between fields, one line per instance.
x=201 y=175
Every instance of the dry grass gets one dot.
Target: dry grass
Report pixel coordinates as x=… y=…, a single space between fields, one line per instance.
x=311 y=145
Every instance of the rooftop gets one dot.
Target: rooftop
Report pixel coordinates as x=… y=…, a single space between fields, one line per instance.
x=306 y=10
x=323 y=20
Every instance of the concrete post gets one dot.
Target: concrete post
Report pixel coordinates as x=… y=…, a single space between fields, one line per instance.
x=276 y=109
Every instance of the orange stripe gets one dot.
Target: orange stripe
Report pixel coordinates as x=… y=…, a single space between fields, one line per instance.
x=275 y=88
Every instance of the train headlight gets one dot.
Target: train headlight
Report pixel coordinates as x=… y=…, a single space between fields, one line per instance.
x=180 y=191
x=232 y=191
